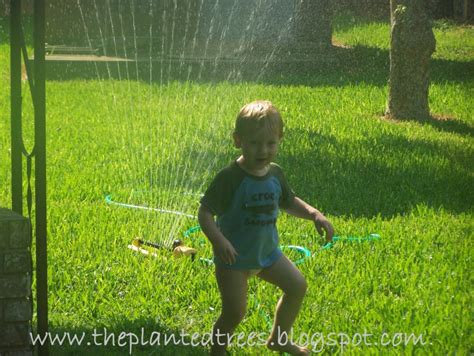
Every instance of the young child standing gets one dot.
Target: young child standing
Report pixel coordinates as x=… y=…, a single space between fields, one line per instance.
x=246 y=197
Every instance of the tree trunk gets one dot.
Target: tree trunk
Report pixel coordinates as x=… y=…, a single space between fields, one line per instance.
x=411 y=47
x=312 y=27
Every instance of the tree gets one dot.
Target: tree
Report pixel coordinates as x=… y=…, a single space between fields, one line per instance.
x=312 y=27
x=313 y=23
x=411 y=47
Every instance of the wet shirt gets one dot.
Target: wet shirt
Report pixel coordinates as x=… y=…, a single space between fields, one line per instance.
x=247 y=208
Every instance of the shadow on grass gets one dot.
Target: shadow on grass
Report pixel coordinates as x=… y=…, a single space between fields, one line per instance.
x=387 y=176
x=450 y=125
x=337 y=66
x=142 y=336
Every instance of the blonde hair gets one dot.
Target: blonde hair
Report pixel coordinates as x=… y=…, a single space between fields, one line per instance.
x=256 y=115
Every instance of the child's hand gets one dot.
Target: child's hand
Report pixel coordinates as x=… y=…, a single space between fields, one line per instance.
x=225 y=251
x=323 y=226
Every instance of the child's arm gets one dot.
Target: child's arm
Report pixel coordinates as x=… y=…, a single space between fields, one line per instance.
x=303 y=210
x=221 y=246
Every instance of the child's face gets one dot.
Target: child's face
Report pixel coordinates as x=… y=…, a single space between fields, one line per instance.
x=259 y=147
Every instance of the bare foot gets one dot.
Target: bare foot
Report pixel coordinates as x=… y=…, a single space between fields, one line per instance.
x=289 y=348
x=218 y=351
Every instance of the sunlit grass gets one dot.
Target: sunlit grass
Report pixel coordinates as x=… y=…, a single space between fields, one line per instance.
x=453 y=42
x=356 y=32
x=412 y=183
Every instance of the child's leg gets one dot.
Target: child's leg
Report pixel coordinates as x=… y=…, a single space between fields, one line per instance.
x=233 y=289
x=285 y=275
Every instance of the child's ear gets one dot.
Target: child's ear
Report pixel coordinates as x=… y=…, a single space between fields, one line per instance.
x=237 y=141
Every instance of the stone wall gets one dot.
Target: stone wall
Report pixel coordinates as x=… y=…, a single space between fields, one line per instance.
x=15 y=284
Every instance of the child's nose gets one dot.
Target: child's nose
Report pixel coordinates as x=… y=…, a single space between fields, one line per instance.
x=262 y=148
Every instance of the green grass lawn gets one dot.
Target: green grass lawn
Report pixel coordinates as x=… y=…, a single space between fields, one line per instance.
x=159 y=144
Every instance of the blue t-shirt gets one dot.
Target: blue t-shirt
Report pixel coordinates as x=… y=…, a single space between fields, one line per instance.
x=247 y=207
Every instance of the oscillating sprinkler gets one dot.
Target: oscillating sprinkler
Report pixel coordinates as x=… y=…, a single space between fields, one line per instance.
x=178 y=248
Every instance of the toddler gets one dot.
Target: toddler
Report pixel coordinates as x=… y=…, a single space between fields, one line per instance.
x=246 y=197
